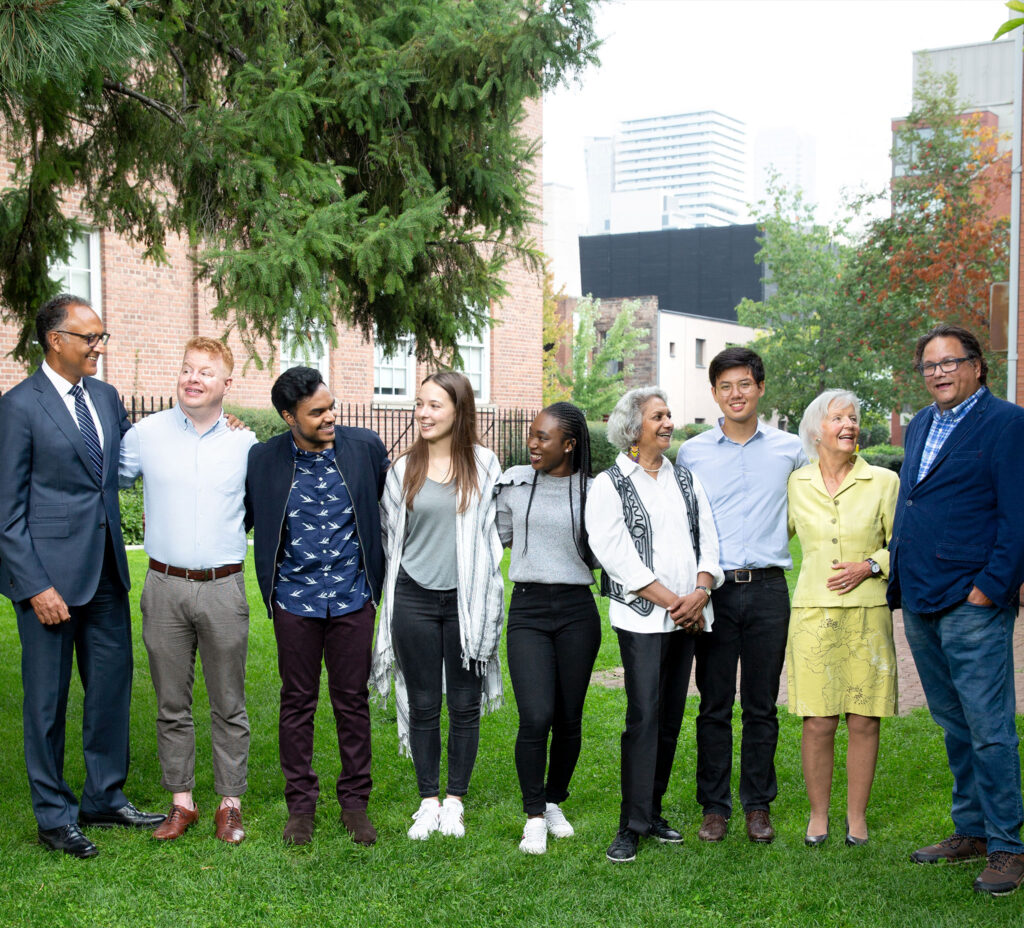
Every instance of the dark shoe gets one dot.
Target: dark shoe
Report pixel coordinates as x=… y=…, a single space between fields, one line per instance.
x=69 y=839
x=714 y=827
x=357 y=823
x=853 y=840
x=816 y=840
x=299 y=829
x=662 y=831
x=125 y=817
x=228 y=822
x=623 y=848
x=759 y=827
x=956 y=849
x=1002 y=876
x=176 y=823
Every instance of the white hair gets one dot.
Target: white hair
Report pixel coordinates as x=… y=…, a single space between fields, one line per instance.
x=627 y=418
x=815 y=413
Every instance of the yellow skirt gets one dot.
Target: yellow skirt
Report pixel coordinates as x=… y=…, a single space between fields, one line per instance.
x=841 y=660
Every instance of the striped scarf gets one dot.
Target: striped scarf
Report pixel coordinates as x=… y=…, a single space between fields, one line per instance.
x=480 y=590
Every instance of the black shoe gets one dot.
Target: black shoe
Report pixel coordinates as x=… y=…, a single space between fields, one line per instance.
x=69 y=839
x=853 y=840
x=623 y=848
x=125 y=817
x=816 y=840
x=664 y=832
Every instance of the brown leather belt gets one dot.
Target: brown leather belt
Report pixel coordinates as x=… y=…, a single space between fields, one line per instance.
x=198 y=575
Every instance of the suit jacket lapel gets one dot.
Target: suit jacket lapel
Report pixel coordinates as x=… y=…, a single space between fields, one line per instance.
x=969 y=423
x=53 y=405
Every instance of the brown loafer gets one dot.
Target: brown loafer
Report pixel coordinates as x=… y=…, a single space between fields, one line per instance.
x=299 y=829
x=357 y=823
x=228 y=820
x=956 y=849
x=178 y=821
x=714 y=827
x=759 y=827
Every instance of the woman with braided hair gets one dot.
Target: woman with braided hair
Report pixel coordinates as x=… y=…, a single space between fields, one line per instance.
x=554 y=630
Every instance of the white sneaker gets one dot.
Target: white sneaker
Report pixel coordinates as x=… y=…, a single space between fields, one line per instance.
x=452 y=822
x=558 y=824
x=535 y=837
x=426 y=819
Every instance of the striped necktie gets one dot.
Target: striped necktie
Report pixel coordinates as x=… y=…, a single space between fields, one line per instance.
x=88 y=430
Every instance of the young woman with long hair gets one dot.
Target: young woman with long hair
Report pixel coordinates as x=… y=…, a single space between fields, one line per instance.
x=443 y=596
x=554 y=630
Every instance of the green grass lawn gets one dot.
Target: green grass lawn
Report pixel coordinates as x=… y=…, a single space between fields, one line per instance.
x=482 y=880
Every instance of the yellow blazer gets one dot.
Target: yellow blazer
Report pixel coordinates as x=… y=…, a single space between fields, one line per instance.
x=854 y=525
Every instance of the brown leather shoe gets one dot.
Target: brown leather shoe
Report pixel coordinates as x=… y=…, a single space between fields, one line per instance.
x=759 y=827
x=299 y=829
x=714 y=827
x=178 y=821
x=956 y=849
x=357 y=823
x=1003 y=875
x=228 y=820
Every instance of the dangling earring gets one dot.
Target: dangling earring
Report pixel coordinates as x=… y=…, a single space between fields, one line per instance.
x=634 y=451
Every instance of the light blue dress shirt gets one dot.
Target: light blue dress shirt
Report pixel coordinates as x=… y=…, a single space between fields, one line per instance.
x=746 y=485
x=193 y=488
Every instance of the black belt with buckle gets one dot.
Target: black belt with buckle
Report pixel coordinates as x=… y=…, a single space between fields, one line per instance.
x=750 y=574
x=196 y=575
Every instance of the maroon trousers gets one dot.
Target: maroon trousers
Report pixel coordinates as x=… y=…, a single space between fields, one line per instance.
x=342 y=643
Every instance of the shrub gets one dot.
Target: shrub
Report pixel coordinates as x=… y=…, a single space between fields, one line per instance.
x=889 y=456
x=686 y=432
x=602 y=454
x=265 y=423
x=131 y=514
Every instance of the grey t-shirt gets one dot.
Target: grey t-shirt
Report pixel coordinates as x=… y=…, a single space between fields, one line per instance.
x=550 y=555
x=429 y=555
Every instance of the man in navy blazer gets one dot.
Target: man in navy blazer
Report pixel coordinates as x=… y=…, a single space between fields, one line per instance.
x=63 y=565
x=956 y=568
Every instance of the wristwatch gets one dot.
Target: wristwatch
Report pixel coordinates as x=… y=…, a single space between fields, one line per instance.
x=876 y=570
x=706 y=590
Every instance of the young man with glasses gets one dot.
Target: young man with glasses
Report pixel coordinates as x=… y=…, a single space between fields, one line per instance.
x=956 y=568
x=744 y=466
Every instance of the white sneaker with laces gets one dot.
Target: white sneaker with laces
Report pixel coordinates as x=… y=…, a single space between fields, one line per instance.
x=452 y=822
x=558 y=824
x=535 y=837
x=426 y=819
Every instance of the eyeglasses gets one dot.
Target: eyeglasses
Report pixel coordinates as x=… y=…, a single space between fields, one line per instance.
x=90 y=340
x=946 y=365
x=744 y=386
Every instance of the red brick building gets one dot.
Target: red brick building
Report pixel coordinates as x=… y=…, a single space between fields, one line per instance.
x=151 y=310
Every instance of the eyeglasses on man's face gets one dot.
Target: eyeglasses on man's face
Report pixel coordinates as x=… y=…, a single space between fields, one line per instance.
x=91 y=340
x=946 y=365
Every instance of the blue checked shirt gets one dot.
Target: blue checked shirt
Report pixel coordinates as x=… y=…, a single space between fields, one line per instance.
x=943 y=424
x=321 y=568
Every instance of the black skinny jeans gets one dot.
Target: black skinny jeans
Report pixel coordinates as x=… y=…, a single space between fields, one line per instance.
x=554 y=633
x=425 y=630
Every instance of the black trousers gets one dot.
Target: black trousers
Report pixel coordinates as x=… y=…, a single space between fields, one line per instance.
x=554 y=633
x=657 y=671
x=425 y=630
x=751 y=623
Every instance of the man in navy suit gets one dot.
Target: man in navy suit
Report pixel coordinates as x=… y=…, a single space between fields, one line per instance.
x=956 y=567
x=63 y=565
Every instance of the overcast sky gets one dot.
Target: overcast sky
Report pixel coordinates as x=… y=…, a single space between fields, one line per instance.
x=838 y=70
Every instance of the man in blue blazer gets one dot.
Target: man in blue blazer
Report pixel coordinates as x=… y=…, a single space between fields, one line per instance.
x=63 y=565
x=956 y=568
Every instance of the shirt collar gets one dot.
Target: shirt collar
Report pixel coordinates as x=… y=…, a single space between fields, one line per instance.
x=186 y=424
x=61 y=384
x=297 y=452
x=721 y=436
x=958 y=411
x=628 y=466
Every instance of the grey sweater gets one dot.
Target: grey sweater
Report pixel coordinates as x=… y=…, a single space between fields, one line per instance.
x=551 y=555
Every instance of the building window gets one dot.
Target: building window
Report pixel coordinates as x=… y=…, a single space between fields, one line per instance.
x=476 y=364
x=699 y=420
x=306 y=349
x=80 y=274
x=394 y=375
x=671 y=349
x=700 y=352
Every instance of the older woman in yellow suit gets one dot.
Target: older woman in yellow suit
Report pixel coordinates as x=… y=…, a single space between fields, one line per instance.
x=840 y=657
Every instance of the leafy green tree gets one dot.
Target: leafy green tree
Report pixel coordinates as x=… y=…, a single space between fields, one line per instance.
x=806 y=317
x=556 y=331
x=602 y=365
x=350 y=162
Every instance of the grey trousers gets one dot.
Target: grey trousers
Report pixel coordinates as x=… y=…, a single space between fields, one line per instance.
x=179 y=616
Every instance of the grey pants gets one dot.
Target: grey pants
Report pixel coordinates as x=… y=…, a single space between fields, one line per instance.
x=177 y=617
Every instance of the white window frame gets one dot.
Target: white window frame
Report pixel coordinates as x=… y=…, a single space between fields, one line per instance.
x=61 y=272
x=321 y=361
x=394 y=361
x=466 y=342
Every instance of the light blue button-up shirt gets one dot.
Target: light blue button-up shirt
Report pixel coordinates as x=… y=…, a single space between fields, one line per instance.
x=746 y=485
x=193 y=488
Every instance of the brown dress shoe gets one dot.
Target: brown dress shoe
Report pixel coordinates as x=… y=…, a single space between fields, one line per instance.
x=956 y=849
x=299 y=829
x=759 y=827
x=228 y=820
x=178 y=821
x=714 y=827
x=357 y=823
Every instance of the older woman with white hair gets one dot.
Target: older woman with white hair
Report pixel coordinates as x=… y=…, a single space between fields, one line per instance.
x=840 y=657
x=650 y=526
